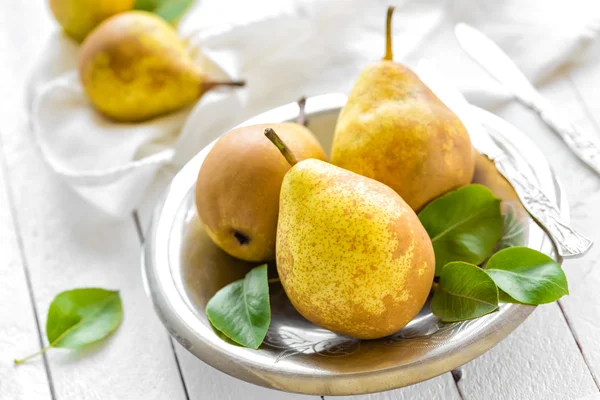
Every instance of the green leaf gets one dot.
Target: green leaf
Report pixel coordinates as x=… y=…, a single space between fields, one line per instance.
x=513 y=229
x=80 y=317
x=146 y=5
x=503 y=297
x=463 y=225
x=528 y=276
x=169 y=10
x=464 y=292
x=172 y=10
x=83 y=316
x=241 y=310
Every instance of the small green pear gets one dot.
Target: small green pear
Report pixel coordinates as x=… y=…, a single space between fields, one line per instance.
x=352 y=256
x=395 y=130
x=134 y=67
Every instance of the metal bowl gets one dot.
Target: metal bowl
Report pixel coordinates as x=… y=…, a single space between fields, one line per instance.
x=183 y=269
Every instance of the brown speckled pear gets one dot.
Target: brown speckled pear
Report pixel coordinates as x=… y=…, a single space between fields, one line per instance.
x=237 y=193
x=395 y=130
x=134 y=67
x=352 y=256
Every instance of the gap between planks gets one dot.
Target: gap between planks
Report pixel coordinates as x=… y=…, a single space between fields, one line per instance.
x=576 y=339
x=457 y=374
x=588 y=114
x=140 y=232
x=25 y=266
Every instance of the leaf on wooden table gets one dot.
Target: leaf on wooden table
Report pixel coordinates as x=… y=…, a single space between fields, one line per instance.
x=528 y=276
x=80 y=317
x=83 y=316
x=463 y=225
x=464 y=292
x=241 y=310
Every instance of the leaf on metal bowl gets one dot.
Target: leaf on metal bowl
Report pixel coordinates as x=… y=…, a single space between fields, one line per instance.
x=464 y=292
x=503 y=297
x=241 y=310
x=80 y=317
x=528 y=276
x=513 y=229
x=463 y=225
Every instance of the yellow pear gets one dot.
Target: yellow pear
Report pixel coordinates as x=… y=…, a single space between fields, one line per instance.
x=79 y=17
x=237 y=192
x=395 y=130
x=134 y=67
x=352 y=256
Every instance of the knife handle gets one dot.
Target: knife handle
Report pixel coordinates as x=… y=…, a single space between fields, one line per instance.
x=568 y=241
x=579 y=142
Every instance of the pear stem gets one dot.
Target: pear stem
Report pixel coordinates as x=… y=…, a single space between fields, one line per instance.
x=212 y=84
x=388 y=35
x=301 y=120
x=276 y=140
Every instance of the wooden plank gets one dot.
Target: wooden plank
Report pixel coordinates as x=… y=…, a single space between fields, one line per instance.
x=443 y=388
x=576 y=94
x=204 y=382
x=69 y=244
x=591 y=397
x=19 y=335
x=582 y=307
x=540 y=360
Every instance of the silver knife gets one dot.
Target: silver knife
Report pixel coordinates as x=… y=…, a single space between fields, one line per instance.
x=544 y=211
x=491 y=57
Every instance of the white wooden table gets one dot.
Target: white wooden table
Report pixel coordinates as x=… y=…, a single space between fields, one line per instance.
x=50 y=240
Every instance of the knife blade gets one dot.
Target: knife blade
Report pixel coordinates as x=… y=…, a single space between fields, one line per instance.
x=568 y=242
x=496 y=63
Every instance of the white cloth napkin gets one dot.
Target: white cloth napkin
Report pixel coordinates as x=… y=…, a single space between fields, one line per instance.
x=285 y=50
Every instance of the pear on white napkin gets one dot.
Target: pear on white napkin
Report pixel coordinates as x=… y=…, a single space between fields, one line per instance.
x=300 y=48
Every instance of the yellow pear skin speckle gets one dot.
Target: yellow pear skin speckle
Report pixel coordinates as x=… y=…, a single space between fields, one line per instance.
x=352 y=256
x=79 y=17
x=134 y=67
x=395 y=130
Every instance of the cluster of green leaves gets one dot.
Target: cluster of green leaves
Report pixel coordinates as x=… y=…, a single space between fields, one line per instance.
x=80 y=317
x=169 y=10
x=465 y=227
